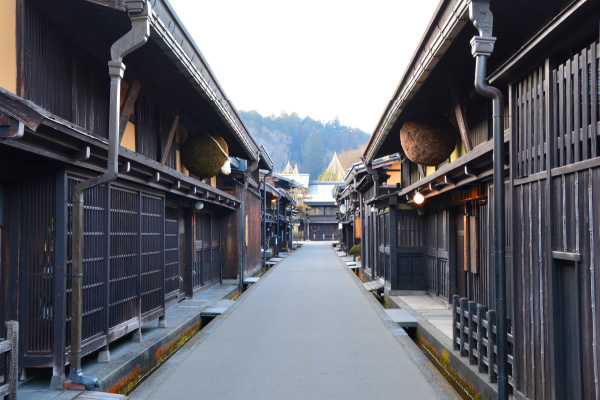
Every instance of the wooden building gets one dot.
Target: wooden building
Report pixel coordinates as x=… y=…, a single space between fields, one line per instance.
x=545 y=63
x=322 y=224
x=277 y=215
x=152 y=236
x=358 y=218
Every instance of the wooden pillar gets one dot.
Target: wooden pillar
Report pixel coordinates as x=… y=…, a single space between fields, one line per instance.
x=104 y=353
x=137 y=335
x=393 y=245
x=60 y=271
x=549 y=378
x=190 y=247
x=14 y=287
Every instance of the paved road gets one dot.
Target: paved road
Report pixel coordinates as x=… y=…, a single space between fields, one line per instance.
x=306 y=330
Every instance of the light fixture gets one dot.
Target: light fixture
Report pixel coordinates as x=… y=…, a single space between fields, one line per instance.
x=373 y=209
x=274 y=201
x=419 y=198
x=199 y=205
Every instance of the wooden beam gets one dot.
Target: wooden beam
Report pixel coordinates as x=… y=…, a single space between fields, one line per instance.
x=461 y=118
x=421 y=171
x=127 y=108
x=116 y=4
x=165 y=153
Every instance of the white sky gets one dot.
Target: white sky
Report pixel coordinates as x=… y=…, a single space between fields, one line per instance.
x=321 y=58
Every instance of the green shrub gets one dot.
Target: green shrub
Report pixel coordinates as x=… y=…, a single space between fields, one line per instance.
x=355 y=250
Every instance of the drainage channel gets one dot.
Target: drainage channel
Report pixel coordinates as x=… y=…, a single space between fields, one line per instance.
x=460 y=388
x=204 y=322
x=170 y=349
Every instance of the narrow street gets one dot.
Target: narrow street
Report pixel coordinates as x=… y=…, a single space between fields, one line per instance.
x=306 y=330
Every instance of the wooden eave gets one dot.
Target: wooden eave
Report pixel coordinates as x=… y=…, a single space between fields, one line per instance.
x=573 y=22
x=444 y=58
x=54 y=138
x=448 y=20
x=478 y=163
x=174 y=67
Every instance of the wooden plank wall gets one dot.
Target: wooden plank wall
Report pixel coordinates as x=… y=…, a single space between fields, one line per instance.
x=76 y=84
x=369 y=241
x=437 y=249
x=37 y=262
x=230 y=241
x=555 y=197
x=252 y=205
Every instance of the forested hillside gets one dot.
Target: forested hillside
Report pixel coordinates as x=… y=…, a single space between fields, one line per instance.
x=303 y=141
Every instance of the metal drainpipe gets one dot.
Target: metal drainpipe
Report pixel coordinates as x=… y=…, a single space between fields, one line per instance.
x=277 y=240
x=482 y=47
x=265 y=244
x=136 y=37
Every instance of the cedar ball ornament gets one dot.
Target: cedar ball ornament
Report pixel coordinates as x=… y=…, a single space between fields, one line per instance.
x=428 y=142
x=205 y=155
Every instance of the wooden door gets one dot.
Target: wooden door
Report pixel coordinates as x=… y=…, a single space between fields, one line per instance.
x=3 y=266
x=568 y=332
x=183 y=240
x=461 y=274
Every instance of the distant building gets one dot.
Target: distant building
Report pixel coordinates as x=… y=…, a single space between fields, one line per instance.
x=323 y=224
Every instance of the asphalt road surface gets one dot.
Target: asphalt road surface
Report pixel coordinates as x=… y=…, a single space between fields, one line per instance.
x=306 y=330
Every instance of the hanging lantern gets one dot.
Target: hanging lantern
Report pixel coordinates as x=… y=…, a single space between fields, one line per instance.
x=428 y=143
x=205 y=155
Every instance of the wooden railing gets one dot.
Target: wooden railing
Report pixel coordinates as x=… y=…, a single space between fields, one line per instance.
x=474 y=335
x=10 y=345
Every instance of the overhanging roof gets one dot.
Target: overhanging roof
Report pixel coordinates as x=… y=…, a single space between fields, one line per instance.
x=170 y=65
x=444 y=55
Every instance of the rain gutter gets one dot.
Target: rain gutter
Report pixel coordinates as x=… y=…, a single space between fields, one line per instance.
x=139 y=13
x=482 y=48
x=431 y=49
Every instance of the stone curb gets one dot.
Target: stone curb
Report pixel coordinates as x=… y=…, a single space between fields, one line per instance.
x=117 y=369
x=443 y=345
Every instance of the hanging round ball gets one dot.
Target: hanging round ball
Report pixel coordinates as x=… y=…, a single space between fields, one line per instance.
x=428 y=143
x=205 y=155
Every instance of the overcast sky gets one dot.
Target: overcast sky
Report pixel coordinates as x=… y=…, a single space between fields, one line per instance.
x=321 y=58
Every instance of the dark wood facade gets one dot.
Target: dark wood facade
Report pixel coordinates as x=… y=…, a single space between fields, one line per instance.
x=152 y=237
x=549 y=74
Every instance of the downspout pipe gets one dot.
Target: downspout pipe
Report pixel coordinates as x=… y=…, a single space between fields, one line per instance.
x=278 y=231
x=265 y=243
x=139 y=13
x=482 y=47
x=247 y=173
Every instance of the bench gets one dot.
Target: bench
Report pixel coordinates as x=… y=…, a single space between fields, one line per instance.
x=217 y=308
x=374 y=285
x=402 y=318
x=250 y=280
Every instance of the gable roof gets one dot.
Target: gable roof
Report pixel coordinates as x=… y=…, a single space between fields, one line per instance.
x=171 y=63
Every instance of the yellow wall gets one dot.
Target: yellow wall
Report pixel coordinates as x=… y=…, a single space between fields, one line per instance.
x=459 y=150
x=213 y=181
x=128 y=140
x=395 y=176
x=429 y=170
x=8 y=45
